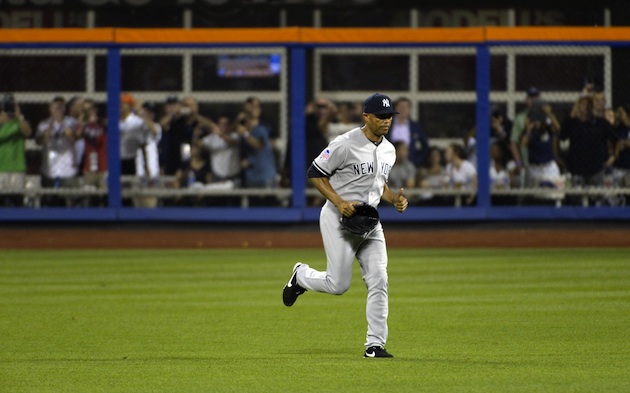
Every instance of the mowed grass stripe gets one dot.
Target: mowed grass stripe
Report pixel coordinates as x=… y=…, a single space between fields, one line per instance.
x=212 y=320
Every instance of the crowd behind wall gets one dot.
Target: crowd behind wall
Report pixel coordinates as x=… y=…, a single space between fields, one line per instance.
x=172 y=145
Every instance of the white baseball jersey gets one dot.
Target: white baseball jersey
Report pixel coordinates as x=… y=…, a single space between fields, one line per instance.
x=151 y=149
x=132 y=136
x=357 y=168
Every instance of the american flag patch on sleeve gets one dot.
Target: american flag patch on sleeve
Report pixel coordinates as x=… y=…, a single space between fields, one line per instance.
x=325 y=154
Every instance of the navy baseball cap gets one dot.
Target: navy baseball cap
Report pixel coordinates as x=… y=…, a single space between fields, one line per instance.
x=533 y=92
x=150 y=106
x=379 y=104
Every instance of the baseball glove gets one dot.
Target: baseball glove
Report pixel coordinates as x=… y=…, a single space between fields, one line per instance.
x=363 y=220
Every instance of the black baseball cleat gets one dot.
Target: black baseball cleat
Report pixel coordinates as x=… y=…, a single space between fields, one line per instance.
x=377 y=352
x=292 y=290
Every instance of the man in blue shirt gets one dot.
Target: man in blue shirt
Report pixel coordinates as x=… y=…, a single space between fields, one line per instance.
x=258 y=161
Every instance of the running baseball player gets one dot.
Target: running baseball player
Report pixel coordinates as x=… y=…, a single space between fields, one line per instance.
x=352 y=172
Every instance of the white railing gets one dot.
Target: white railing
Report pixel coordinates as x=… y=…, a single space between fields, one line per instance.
x=133 y=188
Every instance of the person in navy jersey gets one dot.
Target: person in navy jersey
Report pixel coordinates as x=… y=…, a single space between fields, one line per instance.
x=541 y=130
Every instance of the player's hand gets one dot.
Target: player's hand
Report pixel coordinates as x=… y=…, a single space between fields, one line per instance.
x=400 y=202
x=346 y=208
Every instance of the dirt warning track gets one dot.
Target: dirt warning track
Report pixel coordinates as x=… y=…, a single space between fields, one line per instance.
x=307 y=236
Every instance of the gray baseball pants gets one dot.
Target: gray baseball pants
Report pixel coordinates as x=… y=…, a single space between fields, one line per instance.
x=341 y=249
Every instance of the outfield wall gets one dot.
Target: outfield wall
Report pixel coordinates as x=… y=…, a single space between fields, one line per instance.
x=298 y=42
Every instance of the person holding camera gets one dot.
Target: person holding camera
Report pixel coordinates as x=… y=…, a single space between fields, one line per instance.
x=541 y=131
x=14 y=129
x=258 y=163
x=224 y=145
x=57 y=135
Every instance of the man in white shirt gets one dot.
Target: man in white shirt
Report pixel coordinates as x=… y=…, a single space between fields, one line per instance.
x=224 y=148
x=147 y=158
x=132 y=134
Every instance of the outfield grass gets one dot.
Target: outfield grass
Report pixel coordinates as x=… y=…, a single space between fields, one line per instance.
x=213 y=320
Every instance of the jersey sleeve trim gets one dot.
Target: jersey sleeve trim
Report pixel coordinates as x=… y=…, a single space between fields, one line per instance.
x=316 y=170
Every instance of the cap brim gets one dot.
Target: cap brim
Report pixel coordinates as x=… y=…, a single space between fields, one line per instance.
x=385 y=112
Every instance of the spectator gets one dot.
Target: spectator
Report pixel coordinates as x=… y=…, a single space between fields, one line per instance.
x=253 y=107
x=434 y=175
x=611 y=116
x=258 y=161
x=500 y=174
x=344 y=120
x=14 y=129
x=57 y=135
x=76 y=111
x=76 y=107
x=197 y=124
x=461 y=172
x=500 y=129
x=517 y=148
x=147 y=157
x=470 y=145
x=621 y=172
x=409 y=131
x=591 y=144
x=599 y=104
x=403 y=173
x=541 y=129
x=132 y=135
x=176 y=136
x=194 y=173
x=95 y=136
x=224 y=147
x=319 y=114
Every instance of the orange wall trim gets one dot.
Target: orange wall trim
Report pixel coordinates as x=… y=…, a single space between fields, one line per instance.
x=207 y=36
x=298 y=35
x=73 y=36
x=558 y=34
x=386 y=36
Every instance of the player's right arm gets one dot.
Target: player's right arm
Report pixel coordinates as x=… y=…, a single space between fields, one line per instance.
x=325 y=188
x=322 y=168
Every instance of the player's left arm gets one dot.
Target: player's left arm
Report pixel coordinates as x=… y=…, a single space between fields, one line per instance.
x=396 y=199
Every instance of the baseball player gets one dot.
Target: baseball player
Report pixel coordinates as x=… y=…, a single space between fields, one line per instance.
x=353 y=169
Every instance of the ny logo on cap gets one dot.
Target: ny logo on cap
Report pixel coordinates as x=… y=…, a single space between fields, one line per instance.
x=386 y=103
